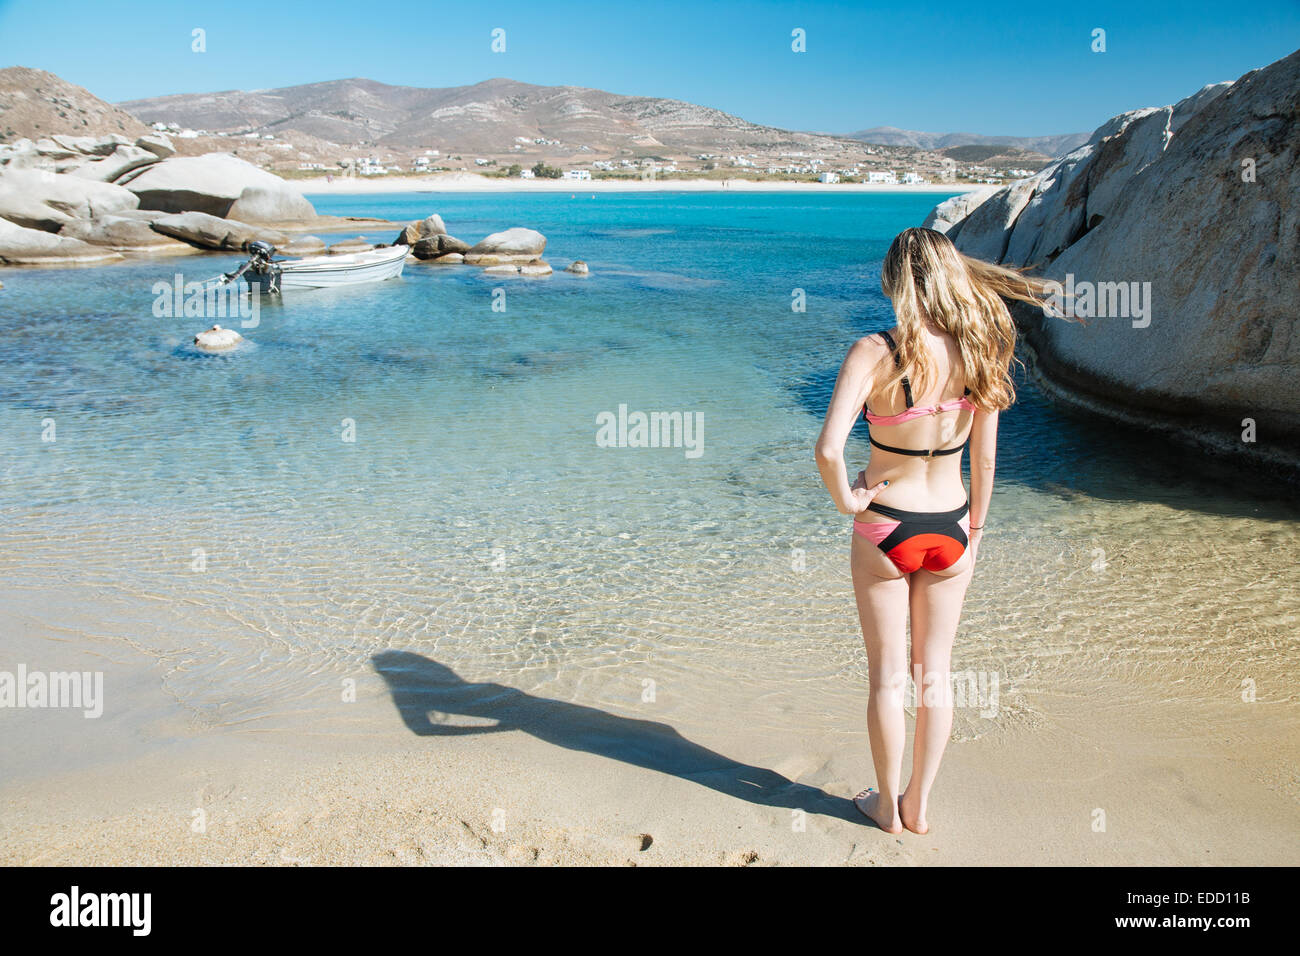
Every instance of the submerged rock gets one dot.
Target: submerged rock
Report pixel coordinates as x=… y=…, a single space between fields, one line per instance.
x=217 y=339
x=535 y=269
x=577 y=267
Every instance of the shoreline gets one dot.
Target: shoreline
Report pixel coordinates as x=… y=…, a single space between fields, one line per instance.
x=470 y=182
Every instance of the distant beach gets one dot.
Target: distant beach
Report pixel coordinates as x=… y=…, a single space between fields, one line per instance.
x=471 y=182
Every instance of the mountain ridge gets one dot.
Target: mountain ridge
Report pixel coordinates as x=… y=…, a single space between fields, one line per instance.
x=1054 y=146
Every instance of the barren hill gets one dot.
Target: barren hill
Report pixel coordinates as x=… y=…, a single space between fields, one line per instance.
x=36 y=104
x=483 y=117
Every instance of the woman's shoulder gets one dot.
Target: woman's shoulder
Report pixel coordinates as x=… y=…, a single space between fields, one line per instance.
x=874 y=343
x=870 y=349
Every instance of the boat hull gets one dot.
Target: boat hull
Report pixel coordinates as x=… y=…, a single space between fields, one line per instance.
x=327 y=272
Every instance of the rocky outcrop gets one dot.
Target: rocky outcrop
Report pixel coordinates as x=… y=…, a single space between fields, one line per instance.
x=949 y=214
x=1195 y=203
x=260 y=204
x=124 y=234
x=347 y=246
x=212 y=232
x=65 y=154
x=515 y=245
x=421 y=229
x=578 y=268
x=433 y=247
x=213 y=184
x=116 y=164
x=987 y=228
x=20 y=246
x=303 y=246
x=38 y=199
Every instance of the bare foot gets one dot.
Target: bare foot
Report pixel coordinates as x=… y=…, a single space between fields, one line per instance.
x=868 y=803
x=912 y=813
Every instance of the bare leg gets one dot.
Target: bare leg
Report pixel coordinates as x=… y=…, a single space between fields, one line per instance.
x=882 y=607
x=936 y=601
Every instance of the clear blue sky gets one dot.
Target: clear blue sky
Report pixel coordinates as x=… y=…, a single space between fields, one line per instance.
x=984 y=66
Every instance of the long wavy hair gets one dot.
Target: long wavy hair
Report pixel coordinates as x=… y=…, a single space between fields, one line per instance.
x=927 y=278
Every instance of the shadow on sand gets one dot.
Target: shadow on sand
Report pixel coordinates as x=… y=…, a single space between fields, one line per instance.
x=420 y=686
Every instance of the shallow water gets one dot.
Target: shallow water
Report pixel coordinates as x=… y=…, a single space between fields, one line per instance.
x=475 y=520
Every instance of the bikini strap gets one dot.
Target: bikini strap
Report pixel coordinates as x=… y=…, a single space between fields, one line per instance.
x=907 y=386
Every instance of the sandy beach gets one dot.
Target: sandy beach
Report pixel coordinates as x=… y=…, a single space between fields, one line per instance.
x=472 y=182
x=625 y=792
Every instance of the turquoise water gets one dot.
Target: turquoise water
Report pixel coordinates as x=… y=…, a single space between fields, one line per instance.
x=206 y=511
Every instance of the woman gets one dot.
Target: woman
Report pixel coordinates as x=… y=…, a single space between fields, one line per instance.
x=939 y=377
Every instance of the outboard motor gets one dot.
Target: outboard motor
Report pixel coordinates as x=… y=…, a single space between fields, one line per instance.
x=265 y=273
x=261 y=252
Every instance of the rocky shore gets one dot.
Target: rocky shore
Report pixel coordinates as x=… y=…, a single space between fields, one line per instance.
x=82 y=200
x=1176 y=229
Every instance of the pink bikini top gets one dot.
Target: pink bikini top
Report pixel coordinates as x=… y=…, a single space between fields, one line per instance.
x=918 y=411
x=913 y=412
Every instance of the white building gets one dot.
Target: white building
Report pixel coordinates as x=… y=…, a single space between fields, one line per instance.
x=577 y=174
x=912 y=179
x=829 y=178
x=526 y=174
x=887 y=177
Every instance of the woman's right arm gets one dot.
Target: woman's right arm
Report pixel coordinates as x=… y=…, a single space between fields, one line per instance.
x=983 y=460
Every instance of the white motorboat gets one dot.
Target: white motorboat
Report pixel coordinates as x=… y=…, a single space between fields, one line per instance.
x=317 y=272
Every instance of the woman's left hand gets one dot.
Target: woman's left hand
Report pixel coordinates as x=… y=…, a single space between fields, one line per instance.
x=860 y=496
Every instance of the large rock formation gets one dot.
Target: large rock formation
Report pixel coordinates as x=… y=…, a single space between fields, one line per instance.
x=215 y=184
x=20 y=246
x=125 y=234
x=212 y=232
x=86 y=155
x=43 y=200
x=432 y=247
x=421 y=229
x=260 y=204
x=1199 y=201
x=116 y=164
x=515 y=245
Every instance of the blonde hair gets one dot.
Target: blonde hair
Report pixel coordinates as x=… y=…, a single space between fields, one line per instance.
x=927 y=278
